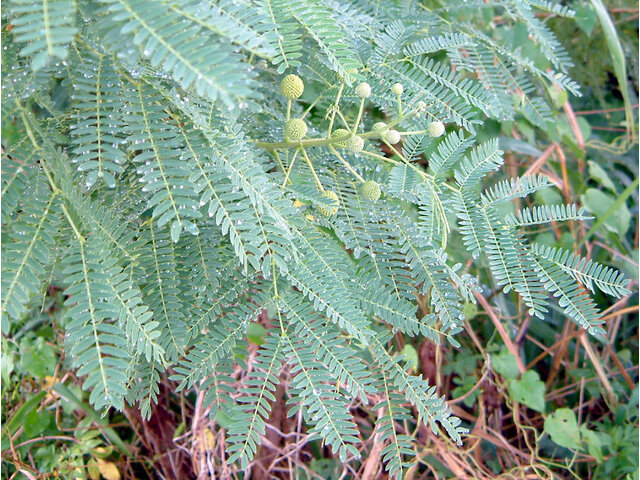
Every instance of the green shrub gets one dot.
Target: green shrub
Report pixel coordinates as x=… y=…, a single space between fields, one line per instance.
x=150 y=173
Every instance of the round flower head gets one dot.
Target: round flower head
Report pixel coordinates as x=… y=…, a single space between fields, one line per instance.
x=295 y=129
x=363 y=90
x=371 y=190
x=292 y=86
x=341 y=133
x=355 y=144
x=392 y=136
x=435 y=129
x=397 y=89
x=332 y=210
x=380 y=128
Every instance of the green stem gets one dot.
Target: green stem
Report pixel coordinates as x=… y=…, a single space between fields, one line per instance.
x=320 y=142
x=277 y=155
x=335 y=109
x=293 y=160
x=306 y=112
x=355 y=126
x=288 y=109
x=381 y=157
x=346 y=164
x=313 y=170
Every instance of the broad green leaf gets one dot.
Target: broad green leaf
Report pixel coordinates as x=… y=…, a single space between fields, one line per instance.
x=529 y=390
x=599 y=203
x=562 y=427
x=505 y=364
x=599 y=175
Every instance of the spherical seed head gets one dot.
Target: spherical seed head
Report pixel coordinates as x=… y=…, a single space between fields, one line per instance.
x=355 y=144
x=435 y=129
x=397 y=89
x=292 y=86
x=392 y=136
x=341 y=133
x=363 y=90
x=380 y=127
x=295 y=129
x=330 y=210
x=371 y=190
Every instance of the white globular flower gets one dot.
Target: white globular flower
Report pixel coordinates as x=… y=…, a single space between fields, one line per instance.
x=295 y=129
x=363 y=90
x=355 y=144
x=380 y=127
x=392 y=136
x=397 y=89
x=292 y=86
x=435 y=129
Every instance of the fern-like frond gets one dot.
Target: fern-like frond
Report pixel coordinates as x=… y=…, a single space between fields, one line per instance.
x=209 y=348
x=321 y=404
x=572 y=298
x=402 y=180
x=315 y=19
x=510 y=263
x=254 y=403
x=240 y=22
x=156 y=143
x=27 y=250
x=442 y=103
x=96 y=345
x=434 y=44
x=483 y=159
x=162 y=292
x=136 y=319
x=469 y=222
x=546 y=214
x=143 y=387
x=47 y=27
x=399 y=445
x=286 y=40
x=97 y=131
x=182 y=48
x=542 y=35
x=338 y=358
x=587 y=272
x=512 y=188
x=471 y=91
x=450 y=151
x=432 y=409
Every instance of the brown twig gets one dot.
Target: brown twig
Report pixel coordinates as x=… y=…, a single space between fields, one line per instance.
x=501 y=330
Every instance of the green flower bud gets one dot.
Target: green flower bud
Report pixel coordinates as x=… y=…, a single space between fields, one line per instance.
x=295 y=129
x=341 y=133
x=292 y=86
x=329 y=211
x=397 y=89
x=371 y=190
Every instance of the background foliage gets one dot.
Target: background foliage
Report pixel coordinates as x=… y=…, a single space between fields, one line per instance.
x=539 y=397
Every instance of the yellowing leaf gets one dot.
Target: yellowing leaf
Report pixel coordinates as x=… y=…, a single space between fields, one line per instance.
x=108 y=470
x=209 y=440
